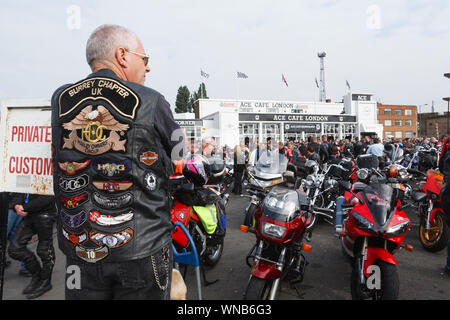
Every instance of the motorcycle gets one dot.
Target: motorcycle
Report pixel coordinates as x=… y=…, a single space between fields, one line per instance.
x=373 y=230
x=279 y=224
x=323 y=189
x=433 y=229
x=202 y=211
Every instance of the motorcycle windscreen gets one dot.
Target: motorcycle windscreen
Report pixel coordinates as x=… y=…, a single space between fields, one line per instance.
x=271 y=162
x=282 y=205
x=367 y=161
x=380 y=200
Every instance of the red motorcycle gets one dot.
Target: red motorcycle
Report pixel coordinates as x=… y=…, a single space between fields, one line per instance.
x=280 y=229
x=433 y=232
x=372 y=233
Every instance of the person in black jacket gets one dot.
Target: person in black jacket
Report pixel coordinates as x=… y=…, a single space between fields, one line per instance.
x=38 y=216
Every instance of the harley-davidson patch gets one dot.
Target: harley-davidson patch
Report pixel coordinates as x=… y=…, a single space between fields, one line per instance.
x=71 y=167
x=118 y=96
x=100 y=132
x=111 y=169
x=114 y=240
x=74 y=202
x=73 y=221
x=150 y=181
x=73 y=184
x=148 y=158
x=112 y=186
x=109 y=220
x=92 y=255
x=111 y=202
x=74 y=238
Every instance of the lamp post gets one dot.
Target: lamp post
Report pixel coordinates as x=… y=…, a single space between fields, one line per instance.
x=448 y=111
x=447 y=75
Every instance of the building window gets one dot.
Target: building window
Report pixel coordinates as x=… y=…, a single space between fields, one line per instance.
x=408 y=112
x=388 y=122
x=408 y=123
x=388 y=112
x=387 y=134
x=378 y=111
x=398 y=122
x=398 y=134
x=398 y=112
x=408 y=134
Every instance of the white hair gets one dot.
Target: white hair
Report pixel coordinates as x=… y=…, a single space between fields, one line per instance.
x=103 y=42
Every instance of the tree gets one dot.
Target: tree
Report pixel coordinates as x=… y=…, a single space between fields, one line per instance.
x=183 y=103
x=200 y=94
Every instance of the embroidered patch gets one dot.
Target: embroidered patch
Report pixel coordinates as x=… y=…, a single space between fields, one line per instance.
x=91 y=255
x=111 y=169
x=120 y=97
x=111 y=202
x=73 y=221
x=109 y=220
x=148 y=158
x=112 y=186
x=74 y=202
x=150 y=181
x=112 y=241
x=71 y=167
x=74 y=238
x=73 y=184
x=100 y=132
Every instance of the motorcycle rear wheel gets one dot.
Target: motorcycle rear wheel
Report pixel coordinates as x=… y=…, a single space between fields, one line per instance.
x=258 y=289
x=436 y=238
x=390 y=284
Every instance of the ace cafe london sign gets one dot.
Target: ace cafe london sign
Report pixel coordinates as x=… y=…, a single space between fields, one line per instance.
x=25 y=130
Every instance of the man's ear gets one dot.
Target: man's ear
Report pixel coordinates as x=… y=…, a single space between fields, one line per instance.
x=121 y=57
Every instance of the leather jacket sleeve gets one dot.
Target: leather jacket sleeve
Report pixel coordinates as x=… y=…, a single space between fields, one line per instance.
x=40 y=204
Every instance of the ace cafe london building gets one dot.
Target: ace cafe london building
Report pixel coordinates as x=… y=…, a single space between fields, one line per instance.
x=234 y=122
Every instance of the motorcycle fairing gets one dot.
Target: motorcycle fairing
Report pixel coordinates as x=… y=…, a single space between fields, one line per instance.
x=266 y=270
x=374 y=253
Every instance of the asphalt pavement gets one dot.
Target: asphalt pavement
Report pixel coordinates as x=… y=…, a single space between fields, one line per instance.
x=327 y=275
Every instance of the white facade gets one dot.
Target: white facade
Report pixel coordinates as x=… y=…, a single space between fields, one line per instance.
x=234 y=122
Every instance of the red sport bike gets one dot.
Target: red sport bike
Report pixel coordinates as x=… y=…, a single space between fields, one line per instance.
x=433 y=232
x=371 y=234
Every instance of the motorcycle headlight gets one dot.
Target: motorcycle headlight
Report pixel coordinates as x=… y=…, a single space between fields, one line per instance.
x=362 y=174
x=273 y=230
x=398 y=229
x=363 y=223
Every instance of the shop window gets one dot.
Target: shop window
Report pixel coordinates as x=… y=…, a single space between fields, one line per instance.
x=387 y=134
x=398 y=134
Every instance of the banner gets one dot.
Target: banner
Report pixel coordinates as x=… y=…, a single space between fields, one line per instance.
x=26 y=150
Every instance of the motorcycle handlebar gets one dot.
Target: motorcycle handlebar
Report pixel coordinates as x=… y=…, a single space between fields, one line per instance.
x=416 y=171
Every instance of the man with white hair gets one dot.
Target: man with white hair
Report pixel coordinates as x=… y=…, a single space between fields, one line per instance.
x=113 y=140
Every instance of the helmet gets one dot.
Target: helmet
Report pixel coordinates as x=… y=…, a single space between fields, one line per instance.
x=311 y=167
x=194 y=169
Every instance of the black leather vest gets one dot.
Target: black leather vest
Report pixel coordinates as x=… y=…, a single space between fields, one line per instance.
x=110 y=170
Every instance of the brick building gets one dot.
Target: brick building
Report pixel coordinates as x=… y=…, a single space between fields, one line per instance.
x=434 y=124
x=399 y=121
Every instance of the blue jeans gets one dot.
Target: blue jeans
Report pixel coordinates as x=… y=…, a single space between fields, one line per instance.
x=13 y=222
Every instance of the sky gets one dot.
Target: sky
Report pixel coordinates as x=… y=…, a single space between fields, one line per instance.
x=396 y=50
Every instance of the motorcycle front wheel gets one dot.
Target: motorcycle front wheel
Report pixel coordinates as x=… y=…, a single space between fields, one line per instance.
x=212 y=255
x=258 y=289
x=436 y=238
x=389 y=284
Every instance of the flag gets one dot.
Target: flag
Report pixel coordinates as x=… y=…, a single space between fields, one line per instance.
x=204 y=74
x=348 y=85
x=317 y=84
x=241 y=75
x=284 y=80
